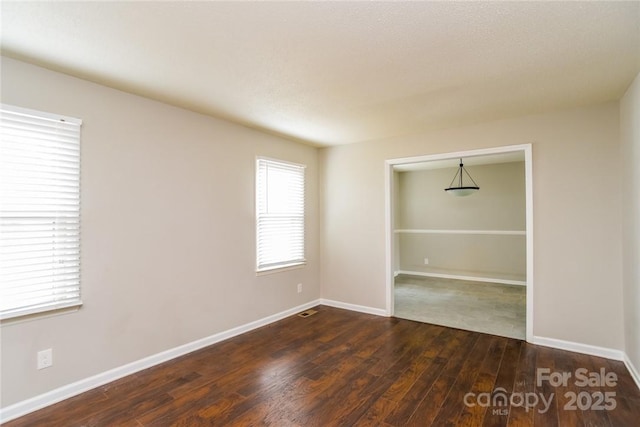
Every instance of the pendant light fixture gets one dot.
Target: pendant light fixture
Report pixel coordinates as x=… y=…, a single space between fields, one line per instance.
x=461 y=189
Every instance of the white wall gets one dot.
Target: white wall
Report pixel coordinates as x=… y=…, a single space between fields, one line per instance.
x=499 y=205
x=630 y=138
x=577 y=243
x=167 y=232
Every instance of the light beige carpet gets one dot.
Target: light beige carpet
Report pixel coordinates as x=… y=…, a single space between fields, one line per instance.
x=491 y=308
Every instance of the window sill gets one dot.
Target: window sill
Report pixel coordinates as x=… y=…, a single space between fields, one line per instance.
x=13 y=318
x=280 y=269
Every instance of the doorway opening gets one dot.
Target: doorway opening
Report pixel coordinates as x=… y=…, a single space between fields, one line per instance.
x=464 y=248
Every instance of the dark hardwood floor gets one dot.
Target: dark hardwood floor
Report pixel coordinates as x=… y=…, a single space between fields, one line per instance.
x=341 y=368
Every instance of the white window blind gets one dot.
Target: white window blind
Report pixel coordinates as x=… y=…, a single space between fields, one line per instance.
x=39 y=212
x=280 y=214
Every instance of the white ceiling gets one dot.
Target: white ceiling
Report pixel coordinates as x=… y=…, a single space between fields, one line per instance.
x=339 y=72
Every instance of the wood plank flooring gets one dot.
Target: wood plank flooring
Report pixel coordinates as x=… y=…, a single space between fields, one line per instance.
x=341 y=368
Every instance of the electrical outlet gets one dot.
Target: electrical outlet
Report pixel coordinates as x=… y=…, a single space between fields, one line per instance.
x=426 y=261
x=299 y=287
x=45 y=358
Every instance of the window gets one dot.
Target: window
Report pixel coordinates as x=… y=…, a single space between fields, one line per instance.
x=39 y=212
x=279 y=214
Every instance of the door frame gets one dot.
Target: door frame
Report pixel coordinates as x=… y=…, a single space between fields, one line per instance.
x=389 y=216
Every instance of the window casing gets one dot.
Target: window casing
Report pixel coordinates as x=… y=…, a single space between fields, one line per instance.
x=279 y=214
x=39 y=212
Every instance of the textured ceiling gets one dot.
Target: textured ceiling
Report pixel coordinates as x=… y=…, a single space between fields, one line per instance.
x=339 y=72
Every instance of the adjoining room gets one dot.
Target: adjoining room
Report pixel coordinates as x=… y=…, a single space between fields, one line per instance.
x=461 y=260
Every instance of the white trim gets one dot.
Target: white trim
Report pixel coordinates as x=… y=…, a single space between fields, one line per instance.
x=286 y=162
x=43 y=314
x=281 y=269
x=389 y=238
x=528 y=180
x=490 y=232
x=632 y=369
x=61 y=393
x=41 y=309
x=458 y=154
x=470 y=278
x=354 y=307
x=389 y=252
x=43 y=114
x=593 y=350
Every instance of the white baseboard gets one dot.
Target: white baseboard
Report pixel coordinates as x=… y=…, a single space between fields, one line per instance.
x=354 y=307
x=592 y=350
x=54 y=396
x=459 y=277
x=632 y=370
